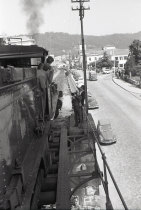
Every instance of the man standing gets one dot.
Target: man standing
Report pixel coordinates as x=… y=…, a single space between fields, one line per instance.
x=82 y=93
x=45 y=75
x=76 y=103
x=49 y=69
x=41 y=76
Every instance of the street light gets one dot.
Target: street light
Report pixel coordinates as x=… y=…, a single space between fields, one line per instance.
x=114 y=62
x=114 y=67
x=95 y=64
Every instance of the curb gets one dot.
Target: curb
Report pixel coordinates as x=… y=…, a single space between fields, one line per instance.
x=132 y=93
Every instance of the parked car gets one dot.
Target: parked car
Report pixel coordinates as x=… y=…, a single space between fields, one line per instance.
x=92 y=102
x=106 y=70
x=92 y=76
x=79 y=83
x=105 y=133
x=76 y=75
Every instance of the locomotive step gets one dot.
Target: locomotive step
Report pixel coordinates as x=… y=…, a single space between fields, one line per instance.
x=46 y=198
x=53 y=169
x=54 y=144
x=54 y=139
x=49 y=184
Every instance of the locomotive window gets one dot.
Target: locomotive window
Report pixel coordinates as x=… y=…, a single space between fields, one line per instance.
x=35 y=61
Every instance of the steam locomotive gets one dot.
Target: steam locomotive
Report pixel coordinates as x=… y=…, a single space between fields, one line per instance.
x=23 y=130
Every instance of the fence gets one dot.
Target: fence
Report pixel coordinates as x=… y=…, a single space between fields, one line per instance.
x=106 y=169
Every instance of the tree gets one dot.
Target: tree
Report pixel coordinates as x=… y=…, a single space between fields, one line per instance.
x=105 y=61
x=134 y=58
x=129 y=66
x=135 y=50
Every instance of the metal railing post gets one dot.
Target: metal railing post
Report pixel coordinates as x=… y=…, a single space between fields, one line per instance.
x=106 y=169
x=95 y=156
x=108 y=201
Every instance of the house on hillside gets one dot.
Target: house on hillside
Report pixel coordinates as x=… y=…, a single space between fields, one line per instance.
x=93 y=55
x=109 y=49
x=120 y=57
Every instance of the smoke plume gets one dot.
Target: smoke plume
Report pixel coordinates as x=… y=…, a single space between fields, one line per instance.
x=33 y=10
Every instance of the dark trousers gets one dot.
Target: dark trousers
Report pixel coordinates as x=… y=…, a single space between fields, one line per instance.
x=76 y=117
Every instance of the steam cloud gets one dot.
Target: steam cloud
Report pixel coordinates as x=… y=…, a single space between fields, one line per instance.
x=32 y=9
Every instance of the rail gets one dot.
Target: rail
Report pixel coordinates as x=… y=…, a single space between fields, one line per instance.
x=15 y=84
x=106 y=168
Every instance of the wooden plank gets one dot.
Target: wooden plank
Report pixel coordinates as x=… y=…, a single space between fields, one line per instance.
x=63 y=187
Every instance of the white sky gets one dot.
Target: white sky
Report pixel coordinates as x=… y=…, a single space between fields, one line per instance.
x=104 y=17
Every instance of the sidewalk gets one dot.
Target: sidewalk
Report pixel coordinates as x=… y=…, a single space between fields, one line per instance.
x=128 y=87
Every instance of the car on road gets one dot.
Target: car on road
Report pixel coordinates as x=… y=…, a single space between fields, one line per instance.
x=106 y=70
x=92 y=76
x=77 y=76
x=92 y=102
x=79 y=83
x=105 y=132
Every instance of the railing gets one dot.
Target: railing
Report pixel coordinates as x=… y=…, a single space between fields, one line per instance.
x=15 y=84
x=106 y=169
x=71 y=83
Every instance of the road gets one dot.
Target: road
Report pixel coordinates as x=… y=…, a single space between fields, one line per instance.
x=124 y=112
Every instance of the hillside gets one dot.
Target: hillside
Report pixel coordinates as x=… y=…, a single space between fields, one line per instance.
x=62 y=43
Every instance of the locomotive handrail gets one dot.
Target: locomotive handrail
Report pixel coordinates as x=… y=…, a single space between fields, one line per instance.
x=72 y=84
x=106 y=166
x=16 y=83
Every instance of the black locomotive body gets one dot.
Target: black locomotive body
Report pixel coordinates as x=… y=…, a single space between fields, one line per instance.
x=22 y=146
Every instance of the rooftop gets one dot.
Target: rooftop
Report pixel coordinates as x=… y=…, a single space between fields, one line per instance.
x=15 y=51
x=121 y=51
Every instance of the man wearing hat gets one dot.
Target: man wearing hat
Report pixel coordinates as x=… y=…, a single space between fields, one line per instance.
x=49 y=69
x=45 y=76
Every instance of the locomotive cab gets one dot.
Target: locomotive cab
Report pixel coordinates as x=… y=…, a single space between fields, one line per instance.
x=19 y=62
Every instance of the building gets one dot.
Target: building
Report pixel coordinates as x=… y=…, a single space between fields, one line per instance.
x=93 y=55
x=109 y=49
x=19 y=40
x=120 y=57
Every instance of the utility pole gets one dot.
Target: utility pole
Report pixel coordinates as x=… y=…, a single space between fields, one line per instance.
x=70 y=59
x=81 y=9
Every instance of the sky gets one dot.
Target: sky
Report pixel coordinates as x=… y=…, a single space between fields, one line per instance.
x=104 y=17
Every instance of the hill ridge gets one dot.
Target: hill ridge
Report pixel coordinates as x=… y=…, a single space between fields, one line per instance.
x=59 y=43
